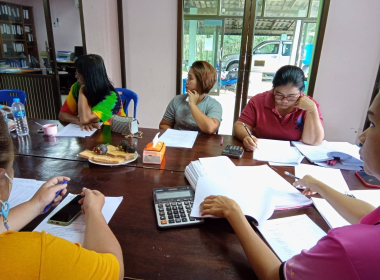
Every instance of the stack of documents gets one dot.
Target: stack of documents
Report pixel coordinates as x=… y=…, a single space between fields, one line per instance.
x=348 y=154
x=277 y=152
x=257 y=189
x=289 y=236
x=179 y=138
x=74 y=130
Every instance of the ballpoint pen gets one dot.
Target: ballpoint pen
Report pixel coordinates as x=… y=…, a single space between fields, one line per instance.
x=56 y=194
x=291 y=175
x=221 y=141
x=250 y=134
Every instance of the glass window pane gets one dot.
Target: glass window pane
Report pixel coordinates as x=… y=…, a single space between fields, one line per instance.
x=267 y=49
x=232 y=7
x=203 y=7
x=259 y=8
x=314 y=8
x=286 y=49
x=286 y=8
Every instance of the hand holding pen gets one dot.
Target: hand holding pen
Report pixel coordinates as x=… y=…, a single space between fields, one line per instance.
x=50 y=194
x=250 y=142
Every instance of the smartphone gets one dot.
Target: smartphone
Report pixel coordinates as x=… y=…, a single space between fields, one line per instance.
x=68 y=213
x=368 y=180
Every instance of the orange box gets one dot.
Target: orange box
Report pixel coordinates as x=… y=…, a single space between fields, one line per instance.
x=154 y=155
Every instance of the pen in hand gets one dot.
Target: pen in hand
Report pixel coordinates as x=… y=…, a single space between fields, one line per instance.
x=291 y=175
x=56 y=194
x=250 y=134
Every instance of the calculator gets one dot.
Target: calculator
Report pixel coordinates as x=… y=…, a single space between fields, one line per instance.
x=233 y=151
x=173 y=207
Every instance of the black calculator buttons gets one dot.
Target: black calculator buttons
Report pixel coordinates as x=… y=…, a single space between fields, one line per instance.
x=191 y=219
x=162 y=218
x=185 y=199
x=160 y=205
x=175 y=211
x=162 y=213
x=169 y=212
x=186 y=203
x=184 y=220
x=177 y=220
x=178 y=200
x=170 y=216
x=179 y=203
x=174 y=207
x=167 y=204
x=173 y=204
x=176 y=216
x=187 y=207
x=180 y=207
x=181 y=211
x=171 y=221
x=188 y=211
x=183 y=215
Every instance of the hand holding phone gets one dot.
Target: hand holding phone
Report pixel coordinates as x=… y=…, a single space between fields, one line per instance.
x=92 y=200
x=68 y=213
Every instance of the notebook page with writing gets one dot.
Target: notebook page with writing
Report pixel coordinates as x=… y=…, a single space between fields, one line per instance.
x=289 y=236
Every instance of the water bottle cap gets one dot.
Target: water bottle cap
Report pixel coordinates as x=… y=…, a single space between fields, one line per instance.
x=16 y=99
x=1 y=106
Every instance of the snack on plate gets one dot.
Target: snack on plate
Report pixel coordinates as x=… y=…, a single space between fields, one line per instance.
x=121 y=154
x=107 y=159
x=87 y=154
x=101 y=149
x=111 y=148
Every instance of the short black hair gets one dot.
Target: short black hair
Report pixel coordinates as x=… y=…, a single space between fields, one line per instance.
x=289 y=74
x=96 y=81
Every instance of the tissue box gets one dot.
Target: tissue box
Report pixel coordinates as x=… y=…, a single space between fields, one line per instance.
x=154 y=155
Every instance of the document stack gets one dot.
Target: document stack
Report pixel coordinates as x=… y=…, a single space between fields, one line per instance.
x=257 y=189
x=342 y=154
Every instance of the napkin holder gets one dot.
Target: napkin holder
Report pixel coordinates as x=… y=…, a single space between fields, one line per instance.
x=154 y=155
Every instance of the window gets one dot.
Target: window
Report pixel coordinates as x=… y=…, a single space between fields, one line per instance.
x=268 y=49
x=286 y=49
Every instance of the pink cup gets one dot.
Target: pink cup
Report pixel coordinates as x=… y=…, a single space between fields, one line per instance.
x=50 y=129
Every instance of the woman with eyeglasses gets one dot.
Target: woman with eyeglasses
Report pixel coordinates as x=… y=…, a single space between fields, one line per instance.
x=283 y=113
x=92 y=99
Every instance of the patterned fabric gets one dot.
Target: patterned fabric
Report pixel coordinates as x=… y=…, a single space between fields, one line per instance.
x=104 y=110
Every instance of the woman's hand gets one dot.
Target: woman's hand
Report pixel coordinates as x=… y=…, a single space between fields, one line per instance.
x=311 y=185
x=306 y=104
x=250 y=142
x=193 y=97
x=46 y=193
x=219 y=206
x=90 y=126
x=92 y=201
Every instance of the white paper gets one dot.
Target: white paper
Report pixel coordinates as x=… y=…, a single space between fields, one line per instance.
x=23 y=190
x=320 y=152
x=289 y=236
x=179 y=138
x=331 y=216
x=74 y=130
x=75 y=231
x=257 y=189
x=155 y=140
x=277 y=151
x=370 y=196
x=331 y=177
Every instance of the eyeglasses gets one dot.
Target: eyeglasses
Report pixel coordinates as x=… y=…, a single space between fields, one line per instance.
x=279 y=97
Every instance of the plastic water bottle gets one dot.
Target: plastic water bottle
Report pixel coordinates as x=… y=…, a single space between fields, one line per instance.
x=20 y=117
x=4 y=114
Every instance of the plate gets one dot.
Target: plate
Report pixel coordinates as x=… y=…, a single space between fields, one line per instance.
x=115 y=164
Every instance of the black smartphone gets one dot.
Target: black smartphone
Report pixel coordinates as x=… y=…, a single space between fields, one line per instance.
x=368 y=180
x=68 y=213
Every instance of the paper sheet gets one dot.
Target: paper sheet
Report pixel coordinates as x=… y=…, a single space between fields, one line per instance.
x=75 y=231
x=289 y=236
x=179 y=138
x=370 y=196
x=331 y=216
x=320 y=152
x=331 y=177
x=277 y=151
x=23 y=190
x=74 y=130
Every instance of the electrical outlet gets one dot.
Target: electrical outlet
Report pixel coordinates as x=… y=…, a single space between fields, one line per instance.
x=56 y=23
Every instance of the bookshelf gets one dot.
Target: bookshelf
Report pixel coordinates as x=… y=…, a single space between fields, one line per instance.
x=18 y=34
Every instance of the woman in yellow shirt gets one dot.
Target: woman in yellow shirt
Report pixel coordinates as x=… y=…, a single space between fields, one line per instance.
x=35 y=255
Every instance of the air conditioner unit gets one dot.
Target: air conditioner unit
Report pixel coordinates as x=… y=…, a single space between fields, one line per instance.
x=77 y=3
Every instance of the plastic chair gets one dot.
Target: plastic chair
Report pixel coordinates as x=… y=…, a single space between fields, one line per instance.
x=126 y=96
x=5 y=96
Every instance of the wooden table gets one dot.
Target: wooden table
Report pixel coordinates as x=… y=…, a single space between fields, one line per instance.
x=208 y=251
